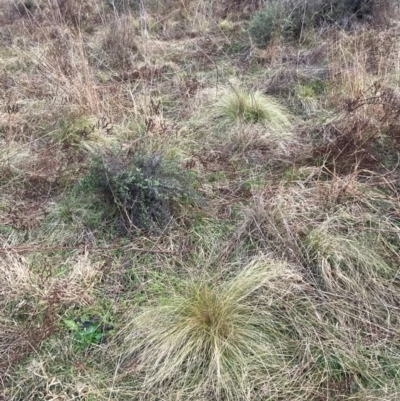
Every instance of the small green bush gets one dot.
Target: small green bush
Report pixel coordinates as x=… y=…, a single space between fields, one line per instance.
x=267 y=23
x=140 y=189
x=288 y=18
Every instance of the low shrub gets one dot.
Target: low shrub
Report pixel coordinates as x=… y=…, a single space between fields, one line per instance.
x=288 y=18
x=267 y=23
x=141 y=190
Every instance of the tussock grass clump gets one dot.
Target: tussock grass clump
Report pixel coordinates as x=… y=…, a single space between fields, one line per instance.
x=347 y=248
x=251 y=108
x=350 y=264
x=222 y=341
x=306 y=98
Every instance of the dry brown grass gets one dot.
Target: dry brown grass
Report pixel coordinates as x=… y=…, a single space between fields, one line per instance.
x=319 y=197
x=358 y=60
x=31 y=301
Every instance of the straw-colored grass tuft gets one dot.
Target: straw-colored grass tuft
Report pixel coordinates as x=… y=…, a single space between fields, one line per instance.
x=251 y=108
x=221 y=340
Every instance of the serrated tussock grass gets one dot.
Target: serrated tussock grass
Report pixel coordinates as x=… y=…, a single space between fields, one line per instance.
x=218 y=339
x=346 y=249
x=237 y=105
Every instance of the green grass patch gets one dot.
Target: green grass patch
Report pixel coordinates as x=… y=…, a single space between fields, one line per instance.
x=237 y=105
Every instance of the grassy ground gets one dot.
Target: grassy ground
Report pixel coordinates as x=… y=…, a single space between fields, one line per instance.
x=184 y=215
